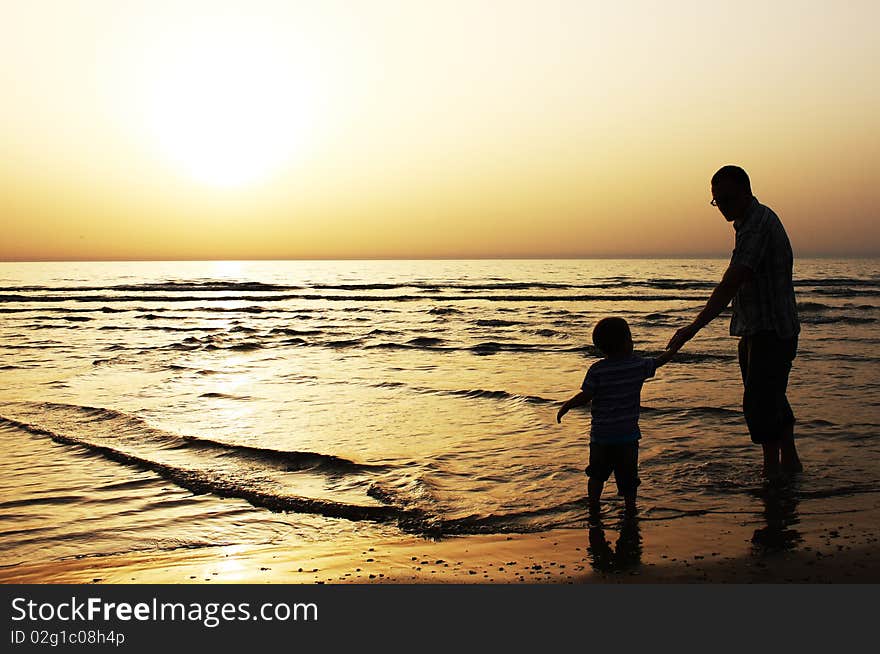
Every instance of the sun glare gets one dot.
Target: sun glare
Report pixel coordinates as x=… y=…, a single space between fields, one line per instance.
x=230 y=107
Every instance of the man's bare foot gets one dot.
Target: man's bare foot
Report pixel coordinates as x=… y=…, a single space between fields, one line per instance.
x=788 y=455
x=770 y=470
x=789 y=460
x=792 y=467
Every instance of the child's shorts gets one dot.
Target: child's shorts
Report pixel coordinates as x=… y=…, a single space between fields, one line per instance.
x=620 y=458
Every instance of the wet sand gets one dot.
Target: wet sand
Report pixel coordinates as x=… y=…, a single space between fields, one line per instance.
x=827 y=547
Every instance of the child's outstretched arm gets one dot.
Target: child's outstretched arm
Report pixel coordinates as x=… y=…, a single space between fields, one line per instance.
x=664 y=358
x=581 y=399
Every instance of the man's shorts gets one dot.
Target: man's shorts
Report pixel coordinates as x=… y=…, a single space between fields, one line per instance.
x=765 y=361
x=620 y=458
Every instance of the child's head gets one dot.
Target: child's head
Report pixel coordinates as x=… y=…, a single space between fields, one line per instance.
x=612 y=336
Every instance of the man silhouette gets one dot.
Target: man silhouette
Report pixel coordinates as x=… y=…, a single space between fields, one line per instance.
x=758 y=281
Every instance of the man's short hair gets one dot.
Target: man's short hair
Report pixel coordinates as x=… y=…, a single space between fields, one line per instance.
x=734 y=175
x=611 y=335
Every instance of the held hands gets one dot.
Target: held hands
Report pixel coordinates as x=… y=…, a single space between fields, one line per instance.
x=681 y=337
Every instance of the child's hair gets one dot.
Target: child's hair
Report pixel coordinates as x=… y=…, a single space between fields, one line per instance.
x=611 y=335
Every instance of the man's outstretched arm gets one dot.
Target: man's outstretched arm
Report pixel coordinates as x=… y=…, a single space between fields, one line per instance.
x=734 y=277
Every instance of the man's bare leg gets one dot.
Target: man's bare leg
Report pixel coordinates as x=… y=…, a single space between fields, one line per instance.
x=789 y=460
x=771 y=460
x=630 y=503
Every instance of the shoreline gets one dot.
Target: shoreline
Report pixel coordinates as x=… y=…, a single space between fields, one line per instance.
x=816 y=548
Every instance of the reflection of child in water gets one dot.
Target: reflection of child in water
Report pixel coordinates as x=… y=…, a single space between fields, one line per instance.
x=627 y=552
x=613 y=386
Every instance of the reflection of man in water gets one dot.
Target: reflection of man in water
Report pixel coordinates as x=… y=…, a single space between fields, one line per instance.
x=627 y=552
x=780 y=514
x=759 y=282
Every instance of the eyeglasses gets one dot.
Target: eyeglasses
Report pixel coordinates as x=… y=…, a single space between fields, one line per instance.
x=723 y=200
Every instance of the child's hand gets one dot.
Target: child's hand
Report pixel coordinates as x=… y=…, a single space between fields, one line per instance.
x=581 y=399
x=562 y=411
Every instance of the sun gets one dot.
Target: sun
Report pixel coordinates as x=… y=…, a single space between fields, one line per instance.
x=230 y=106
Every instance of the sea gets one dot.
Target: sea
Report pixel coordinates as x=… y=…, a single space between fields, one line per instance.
x=160 y=405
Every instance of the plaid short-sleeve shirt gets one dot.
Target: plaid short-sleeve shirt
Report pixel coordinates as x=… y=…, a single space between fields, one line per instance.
x=766 y=302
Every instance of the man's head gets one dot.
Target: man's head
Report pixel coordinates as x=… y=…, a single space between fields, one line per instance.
x=612 y=336
x=731 y=192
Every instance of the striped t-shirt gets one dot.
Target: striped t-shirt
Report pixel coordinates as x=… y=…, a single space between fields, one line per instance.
x=616 y=385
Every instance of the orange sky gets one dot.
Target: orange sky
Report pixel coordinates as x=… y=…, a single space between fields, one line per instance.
x=393 y=129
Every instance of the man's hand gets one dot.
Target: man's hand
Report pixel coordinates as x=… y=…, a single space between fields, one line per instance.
x=734 y=277
x=681 y=337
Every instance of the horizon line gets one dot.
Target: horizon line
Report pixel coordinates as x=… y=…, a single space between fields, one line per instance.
x=441 y=258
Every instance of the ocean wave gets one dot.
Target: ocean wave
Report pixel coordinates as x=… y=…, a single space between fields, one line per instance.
x=158 y=328
x=54 y=326
x=242 y=347
x=393 y=346
x=683 y=284
x=425 y=342
x=847 y=292
x=78 y=425
x=284 y=297
x=383 y=332
x=807 y=307
x=488 y=348
x=177 y=290
x=657 y=316
x=343 y=343
x=112 y=361
x=526 y=521
x=225 y=396
x=471 y=393
x=241 y=329
x=251 y=286
x=479 y=393
x=443 y=311
x=388 y=384
x=147 y=287
x=497 y=323
x=830 y=320
x=694 y=412
x=804 y=307
x=837 y=281
x=295 y=332
x=839 y=491
x=120 y=429
x=549 y=333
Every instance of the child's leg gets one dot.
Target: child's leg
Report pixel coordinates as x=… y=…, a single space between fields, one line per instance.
x=626 y=474
x=598 y=472
x=594 y=494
